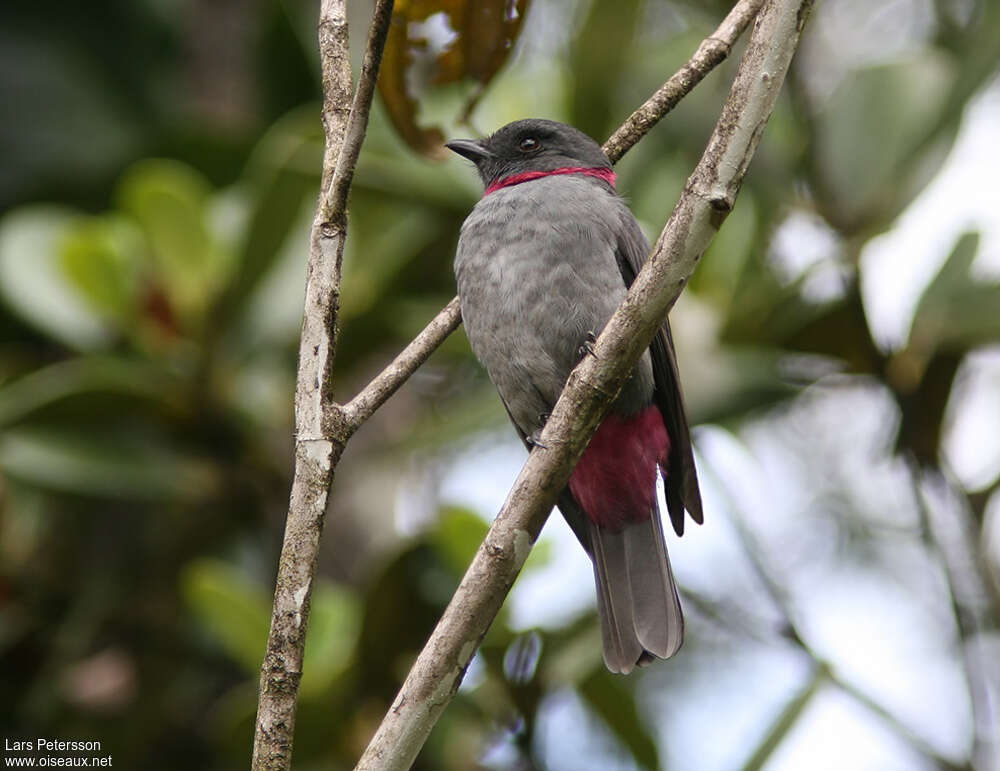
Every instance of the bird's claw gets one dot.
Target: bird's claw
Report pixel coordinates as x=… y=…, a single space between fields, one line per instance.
x=587 y=346
x=535 y=437
x=535 y=440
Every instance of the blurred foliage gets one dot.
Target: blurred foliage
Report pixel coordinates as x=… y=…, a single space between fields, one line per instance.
x=160 y=171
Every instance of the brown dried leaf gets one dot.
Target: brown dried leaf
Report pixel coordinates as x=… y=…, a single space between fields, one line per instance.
x=419 y=55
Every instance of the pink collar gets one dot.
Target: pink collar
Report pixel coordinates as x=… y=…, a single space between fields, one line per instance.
x=600 y=172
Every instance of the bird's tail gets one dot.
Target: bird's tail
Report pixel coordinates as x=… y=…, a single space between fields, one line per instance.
x=636 y=595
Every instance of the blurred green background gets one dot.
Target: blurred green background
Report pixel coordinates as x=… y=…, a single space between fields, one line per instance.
x=160 y=163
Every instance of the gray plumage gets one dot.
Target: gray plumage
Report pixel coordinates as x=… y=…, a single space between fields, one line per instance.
x=540 y=266
x=536 y=272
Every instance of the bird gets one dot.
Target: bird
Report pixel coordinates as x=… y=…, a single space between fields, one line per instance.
x=543 y=260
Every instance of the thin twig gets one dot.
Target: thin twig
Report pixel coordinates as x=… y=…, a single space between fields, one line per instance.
x=755 y=553
x=385 y=384
x=712 y=52
x=951 y=538
x=787 y=719
x=316 y=455
x=707 y=199
x=357 y=126
x=915 y=741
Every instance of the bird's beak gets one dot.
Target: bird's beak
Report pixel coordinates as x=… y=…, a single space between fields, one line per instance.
x=469 y=148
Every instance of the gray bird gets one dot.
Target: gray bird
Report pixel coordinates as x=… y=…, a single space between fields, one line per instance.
x=543 y=261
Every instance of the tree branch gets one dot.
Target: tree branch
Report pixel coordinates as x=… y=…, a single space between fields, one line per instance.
x=755 y=554
x=706 y=201
x=951 y=537
x=386 y=383
x=316 y=455
x=787 y=719
x=335 y=204
x=712 y=52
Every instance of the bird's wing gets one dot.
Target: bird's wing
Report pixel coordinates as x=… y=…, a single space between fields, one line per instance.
x=681 y=480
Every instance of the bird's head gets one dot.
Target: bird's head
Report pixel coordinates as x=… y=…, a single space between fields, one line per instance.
x=530 y=145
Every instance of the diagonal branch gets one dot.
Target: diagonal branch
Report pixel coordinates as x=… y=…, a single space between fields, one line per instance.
x=821 y=667
x=316 y=455
x=712 y=52
x=706 y=201
x=386 y=383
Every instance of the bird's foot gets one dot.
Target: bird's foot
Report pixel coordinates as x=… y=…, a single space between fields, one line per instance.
x=587 y=346
x=535 y=440
x=535 y=437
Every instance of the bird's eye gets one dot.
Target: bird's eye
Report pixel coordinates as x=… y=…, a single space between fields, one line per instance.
x=528 y=144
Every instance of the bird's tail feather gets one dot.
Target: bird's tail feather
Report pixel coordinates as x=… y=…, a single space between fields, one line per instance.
x=637 y=598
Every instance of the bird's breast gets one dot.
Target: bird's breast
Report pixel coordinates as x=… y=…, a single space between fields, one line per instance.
x=536 y=273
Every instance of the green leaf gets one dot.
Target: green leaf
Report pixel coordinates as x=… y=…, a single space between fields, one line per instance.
x=457 y=537
x=281 y=178
x=334 y=626
x=386 y=171
x=723 y=264
x=459 y=534
x=573 y=654
x=170 y=201
x=82 y=376
x=740 y=380
x=83 y=463
x=599 y=55
x=380 y=252
x=234 y=610
x=869 y=129
x=957 y=312
x=614 y=702
x=33 y=284
x=837 y=330
x=99 y=255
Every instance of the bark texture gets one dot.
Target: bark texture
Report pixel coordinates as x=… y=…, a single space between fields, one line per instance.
x=320 y=438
